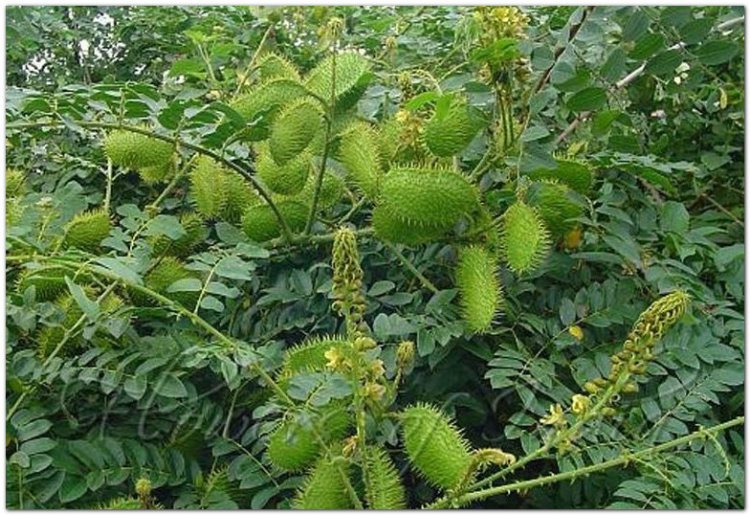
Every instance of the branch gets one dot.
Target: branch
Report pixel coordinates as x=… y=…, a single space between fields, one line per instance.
x=630 y=77
x=623 y=459
x=560 y=50
x=177 y=141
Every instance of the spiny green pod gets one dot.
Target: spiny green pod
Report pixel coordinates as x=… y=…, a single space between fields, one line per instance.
x=268 y=97
x=156 y=174
x=390 y=227
x=15 y=183
x=287 y=179
x=524 y=238
x=331 y=190
x=435 y=197
x=274 y=66
x=240 y=196
x=308 y=356
x=451 y=128
x=293 y=130
x=48 y=282
x=351 y=78
x=479 y=287
x=660 y=316
x=122 y=503
x=195 y=232
x=260 y=223
x=556 y=206
x=137 y=151
x=324 y=488
x=209 y=188
x=384 y=490
x=358 y=152
x=577 y=175
x=167 y=272
x=86 y=231
x=49 y=337
x=434 y=446
x=293 y=446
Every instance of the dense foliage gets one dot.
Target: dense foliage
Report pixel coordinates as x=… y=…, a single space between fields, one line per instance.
x=375 y=257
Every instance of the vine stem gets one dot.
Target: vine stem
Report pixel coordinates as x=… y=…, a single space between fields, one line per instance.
x=108 y=191
x=425 y=282
x=326 y=146
x=572 y=475
x=251 y=64
x=286 y=232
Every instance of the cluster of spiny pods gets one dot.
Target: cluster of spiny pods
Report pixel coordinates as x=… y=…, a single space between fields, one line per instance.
x=403 y=166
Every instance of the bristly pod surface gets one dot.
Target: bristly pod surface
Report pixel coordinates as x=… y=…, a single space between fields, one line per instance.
x=389 y=227
x=479 y=287
x=49 y=282
x=195 y=232
x=384 y=490
x=577 y=175
x=239 y=196
x=359 y=153
x=324 y=488
x=524 y=238
x=274 y=66
x=287 y=179
x=168 y=271
x=557 y=206
x=267 y=98
x=293 y=130
x=293 y=445
x=352 y=74
x=331 y=189
x=209 y=188
x=434 y=446
x=428 y=197
x=260 y=223
x=452 y=127
x=137 y=151
x=86 y=231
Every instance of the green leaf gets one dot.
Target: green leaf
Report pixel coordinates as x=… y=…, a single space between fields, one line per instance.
x=135 y=386
x=422 y=99
x=33 y=429
x=726 y=255
x=72 y=488
x=675 y=218
x=589 y=99
x=212 y=303
x=647 y=46
x=88 y=306
x=534 y=132
x=189 y=284
x=717 y=52
x=664 y=62
x=38 y=446
x=191 y=67
x=696 y=31
x=567 y=312
x=166 y=225
x=637 y=23
x=169 y=385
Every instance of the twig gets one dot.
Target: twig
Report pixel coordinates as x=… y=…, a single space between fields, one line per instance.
x=425 y=282
x=572 y=475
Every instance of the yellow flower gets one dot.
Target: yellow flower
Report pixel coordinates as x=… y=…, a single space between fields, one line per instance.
x=374 y=391
x=555 y=416
x=581 y=404
x=350 y=445
x=576 y=332
x=377 y=369
x=335 y=358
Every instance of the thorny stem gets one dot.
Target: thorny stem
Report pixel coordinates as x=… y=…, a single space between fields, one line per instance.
x=623 y=459
x=251 y=64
